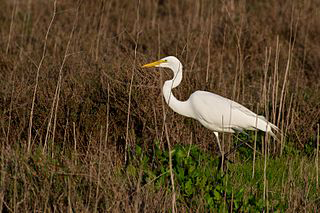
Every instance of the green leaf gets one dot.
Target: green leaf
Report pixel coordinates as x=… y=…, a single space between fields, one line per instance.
x=180 y=174
x=138 y=150
x=217 y=195
x=189 y=187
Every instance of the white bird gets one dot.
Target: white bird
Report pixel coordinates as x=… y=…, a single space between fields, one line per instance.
x=213 y=111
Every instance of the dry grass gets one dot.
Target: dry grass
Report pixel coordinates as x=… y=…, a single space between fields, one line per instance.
x=73 y=98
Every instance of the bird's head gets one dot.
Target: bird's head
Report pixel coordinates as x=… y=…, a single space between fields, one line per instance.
x=167 y=62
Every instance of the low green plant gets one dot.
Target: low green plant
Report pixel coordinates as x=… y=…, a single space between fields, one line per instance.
x=198 y=179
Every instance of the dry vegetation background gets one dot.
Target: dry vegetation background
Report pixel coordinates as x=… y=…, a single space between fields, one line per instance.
x=72 y=87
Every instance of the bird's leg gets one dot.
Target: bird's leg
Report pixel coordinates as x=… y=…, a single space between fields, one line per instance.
x=219 y=145
x=221 y=151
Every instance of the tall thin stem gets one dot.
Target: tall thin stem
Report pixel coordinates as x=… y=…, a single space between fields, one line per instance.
x=38 y=73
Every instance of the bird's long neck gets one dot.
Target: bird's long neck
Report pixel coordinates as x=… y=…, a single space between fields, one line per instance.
x=181 y=107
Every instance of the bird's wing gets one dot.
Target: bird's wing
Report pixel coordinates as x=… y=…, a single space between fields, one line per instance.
x=238 y=107
x=211 y=108
x=221 y=112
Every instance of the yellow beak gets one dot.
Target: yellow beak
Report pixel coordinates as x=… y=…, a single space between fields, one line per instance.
x=153 y=64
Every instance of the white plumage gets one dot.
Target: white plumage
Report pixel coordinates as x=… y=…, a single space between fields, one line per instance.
x=213 y=111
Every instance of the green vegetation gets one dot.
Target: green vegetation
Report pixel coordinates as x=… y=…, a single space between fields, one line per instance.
x=43 y=182
x=83 y=128
x=202 y=185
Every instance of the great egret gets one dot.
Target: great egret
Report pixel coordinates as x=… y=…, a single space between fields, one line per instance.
x=211 y=110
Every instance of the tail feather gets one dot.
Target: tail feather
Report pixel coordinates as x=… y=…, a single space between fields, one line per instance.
x=273 y=135
x=268 y=127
